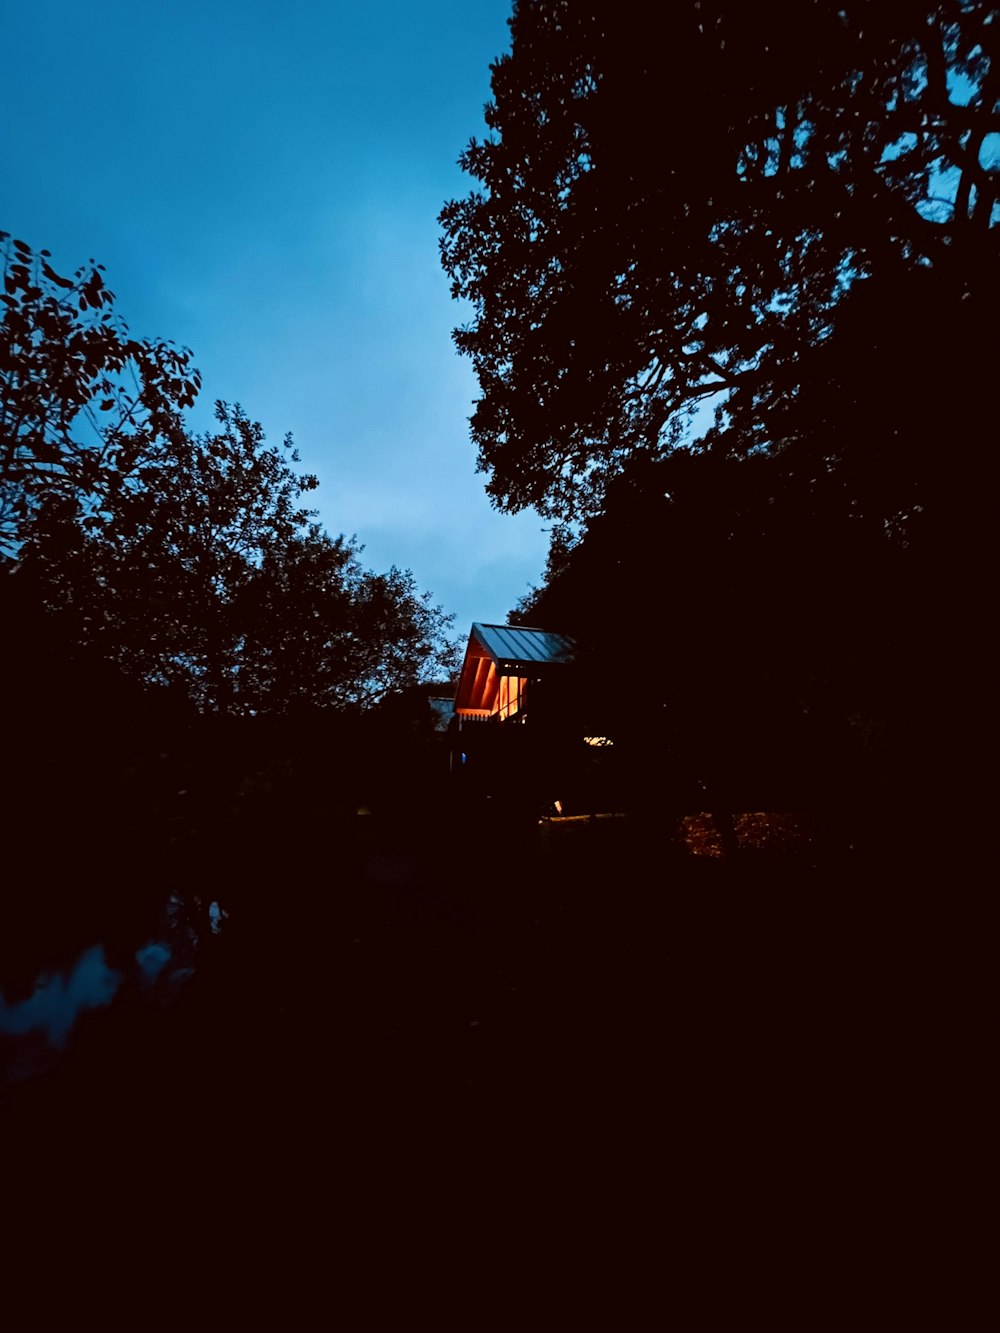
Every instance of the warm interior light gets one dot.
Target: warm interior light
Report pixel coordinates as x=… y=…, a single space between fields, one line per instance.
x=511 y=695
x=598 y=740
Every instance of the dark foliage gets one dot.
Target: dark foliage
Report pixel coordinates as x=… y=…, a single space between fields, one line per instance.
x=673 y=213
x=731 y=275
x=188 y=561
x=192 y=667
x=82 y=402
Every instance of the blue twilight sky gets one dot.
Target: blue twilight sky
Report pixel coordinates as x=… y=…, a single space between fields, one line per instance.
x=262 y=182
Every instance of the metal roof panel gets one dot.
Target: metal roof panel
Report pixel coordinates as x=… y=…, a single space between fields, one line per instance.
x=518 y=643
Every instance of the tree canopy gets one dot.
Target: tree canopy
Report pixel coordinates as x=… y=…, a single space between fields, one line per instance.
x=81 y=399
x=187 y=560
x=690 y=212
x=731 y=270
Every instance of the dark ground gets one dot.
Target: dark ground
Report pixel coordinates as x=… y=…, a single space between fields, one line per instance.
x=459 y=1072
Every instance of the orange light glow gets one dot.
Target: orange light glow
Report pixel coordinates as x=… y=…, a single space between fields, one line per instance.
x=511 y=695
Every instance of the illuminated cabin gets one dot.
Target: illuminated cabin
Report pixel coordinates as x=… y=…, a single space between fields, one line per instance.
x=505 y=671
x=522 y=733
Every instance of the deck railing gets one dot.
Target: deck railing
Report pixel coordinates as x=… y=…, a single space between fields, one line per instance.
x=474 y=715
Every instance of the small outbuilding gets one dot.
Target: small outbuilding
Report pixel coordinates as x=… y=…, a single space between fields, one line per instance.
x=506 y=671
x=514 y=720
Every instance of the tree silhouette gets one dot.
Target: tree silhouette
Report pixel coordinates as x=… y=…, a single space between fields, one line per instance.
x=730 y=276
x=321 y=630
x=186 y=560
x=671 y=219
x=82 y=402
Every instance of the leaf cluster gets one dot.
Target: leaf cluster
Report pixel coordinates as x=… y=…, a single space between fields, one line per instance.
x=189 y=560
x=81 y=400
x=669 y=215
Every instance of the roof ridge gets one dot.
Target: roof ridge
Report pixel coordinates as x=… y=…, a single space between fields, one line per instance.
x=533 y=629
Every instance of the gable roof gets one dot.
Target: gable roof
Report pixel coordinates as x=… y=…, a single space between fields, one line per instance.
x=496 y=652
x=511 y=646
